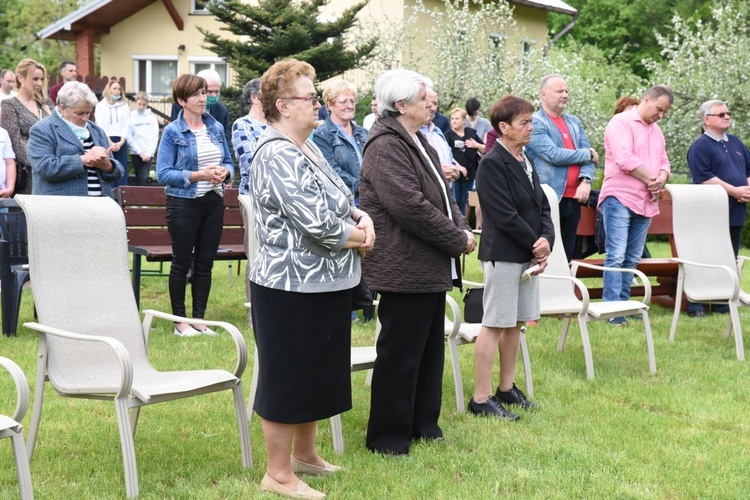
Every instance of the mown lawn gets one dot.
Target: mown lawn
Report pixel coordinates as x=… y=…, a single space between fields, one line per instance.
x=681 y=433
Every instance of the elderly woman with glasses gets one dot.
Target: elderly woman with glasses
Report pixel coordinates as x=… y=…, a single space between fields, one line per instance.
x=412 y=265
x=70 y=155
x=339 y=138
x=194 y=164
x=311 y=237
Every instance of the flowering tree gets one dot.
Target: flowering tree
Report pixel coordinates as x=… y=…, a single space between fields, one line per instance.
x=702 y=61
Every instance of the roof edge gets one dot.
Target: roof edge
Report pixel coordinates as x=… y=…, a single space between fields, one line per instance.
x=66 y=22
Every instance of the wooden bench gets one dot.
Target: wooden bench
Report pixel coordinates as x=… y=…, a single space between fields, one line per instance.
x=145 y=210
x=663 y=269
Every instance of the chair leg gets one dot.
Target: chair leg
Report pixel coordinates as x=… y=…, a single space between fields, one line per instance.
x=677 y=306
x=128 y=447
x=526 y=366
x=338 y=434
x=457 y=379
x=587 y=357
x=738 y=344
x=563 y=333
x=36 y=412
x=22 y=466
x=253 y=387
x=243 y=423
x=649 y=342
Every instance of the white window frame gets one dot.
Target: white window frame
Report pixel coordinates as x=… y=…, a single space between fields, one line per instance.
x=212 y=61
x=197 y=11
x=137 y=58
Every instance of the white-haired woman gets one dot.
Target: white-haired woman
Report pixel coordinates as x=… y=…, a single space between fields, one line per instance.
x=340 y=139
x=412 y=264
x=70 y=155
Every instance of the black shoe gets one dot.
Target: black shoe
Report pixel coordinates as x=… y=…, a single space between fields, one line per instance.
x=514 y=397
x=491 y=408
x=696 y=314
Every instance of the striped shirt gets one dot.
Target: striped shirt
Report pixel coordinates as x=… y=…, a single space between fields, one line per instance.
x=94 y=185
x=209 y=155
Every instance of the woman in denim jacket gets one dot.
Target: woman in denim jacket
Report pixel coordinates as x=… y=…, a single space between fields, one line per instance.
x=340 y=139
x=193 y=163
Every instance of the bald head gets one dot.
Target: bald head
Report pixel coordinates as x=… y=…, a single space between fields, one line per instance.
x=553 y=92
x=433 y=98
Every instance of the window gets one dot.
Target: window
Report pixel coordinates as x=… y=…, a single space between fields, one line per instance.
x=199 y=7
x=219 y=65
x=154 y=74
x=497 y=49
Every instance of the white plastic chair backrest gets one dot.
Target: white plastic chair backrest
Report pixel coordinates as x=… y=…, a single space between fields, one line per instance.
x=251 y=240
x=700 y=223
x=556 y=291
x=78 y=256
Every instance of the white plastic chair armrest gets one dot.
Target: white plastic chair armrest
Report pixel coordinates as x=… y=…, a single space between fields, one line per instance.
x=22 y=387
x=578 y=284
x=239 y=340
x=472 y=284
x=733 y=276
x=456 y=312
x=123 y=357
x=741 y=263
x=641 y=276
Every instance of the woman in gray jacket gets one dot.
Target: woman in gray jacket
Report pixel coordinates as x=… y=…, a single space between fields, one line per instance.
x=414 y=262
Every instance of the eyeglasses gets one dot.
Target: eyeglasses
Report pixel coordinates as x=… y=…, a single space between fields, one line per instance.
x=347 y=101
x=721 y=115
x=310 y=98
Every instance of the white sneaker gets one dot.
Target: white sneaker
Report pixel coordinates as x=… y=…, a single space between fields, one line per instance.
x=188 y=332
x=207 y=331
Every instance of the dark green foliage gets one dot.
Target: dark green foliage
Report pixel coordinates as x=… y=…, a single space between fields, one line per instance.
x=625 y=30
x=282 y=29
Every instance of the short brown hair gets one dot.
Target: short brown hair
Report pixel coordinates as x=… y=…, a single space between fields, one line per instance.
x=507 y=108
x=625 y=102
x=279 y=81
x=186 y=85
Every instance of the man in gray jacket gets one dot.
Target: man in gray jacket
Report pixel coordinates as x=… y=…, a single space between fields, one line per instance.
x=563 y=157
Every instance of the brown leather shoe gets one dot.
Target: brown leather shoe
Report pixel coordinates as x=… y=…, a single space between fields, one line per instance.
x=303 y=490
x=301 y=467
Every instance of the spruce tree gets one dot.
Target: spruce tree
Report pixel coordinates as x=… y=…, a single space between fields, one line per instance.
x=280 y=29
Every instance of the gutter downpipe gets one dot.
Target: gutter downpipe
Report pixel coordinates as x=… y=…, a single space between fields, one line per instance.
x=559 y=35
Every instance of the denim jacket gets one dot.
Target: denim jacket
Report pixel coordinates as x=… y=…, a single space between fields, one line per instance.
x=178 y=156
x=340 y=153
x=549 y=155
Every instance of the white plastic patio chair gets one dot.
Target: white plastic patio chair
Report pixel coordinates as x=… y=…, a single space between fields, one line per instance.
x=458 y=332
x=558 y=298
x=92 y=344
x=708 y=270
x=10 y=428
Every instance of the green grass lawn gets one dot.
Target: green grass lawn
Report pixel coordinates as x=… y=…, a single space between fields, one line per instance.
x=681 y=433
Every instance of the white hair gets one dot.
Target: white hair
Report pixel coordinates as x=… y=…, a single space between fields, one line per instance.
x=397 y=85
x=210 y=75
x=75 y=92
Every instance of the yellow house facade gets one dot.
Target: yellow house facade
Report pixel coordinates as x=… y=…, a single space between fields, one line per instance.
x=151 y=42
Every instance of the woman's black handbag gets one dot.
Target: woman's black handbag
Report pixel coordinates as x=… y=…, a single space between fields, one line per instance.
x=473 y=309
x=362 y=298
x=22 y=178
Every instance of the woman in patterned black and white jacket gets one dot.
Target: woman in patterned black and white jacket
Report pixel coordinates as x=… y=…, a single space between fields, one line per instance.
x=311 y=238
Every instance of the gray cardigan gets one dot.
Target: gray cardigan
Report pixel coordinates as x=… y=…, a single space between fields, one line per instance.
x=55 y=156
x=302 y=211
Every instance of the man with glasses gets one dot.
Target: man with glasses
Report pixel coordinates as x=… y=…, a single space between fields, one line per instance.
x=213 y=106
x=437 y=140
x=717 y=157
x=636 y=168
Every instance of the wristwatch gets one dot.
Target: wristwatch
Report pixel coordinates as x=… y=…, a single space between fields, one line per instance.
x=587 y=180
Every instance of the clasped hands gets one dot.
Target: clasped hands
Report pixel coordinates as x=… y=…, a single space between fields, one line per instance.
x=365 y=224
x=214 y=174
x=541 y=251
x=656 y=184
x=96 y=157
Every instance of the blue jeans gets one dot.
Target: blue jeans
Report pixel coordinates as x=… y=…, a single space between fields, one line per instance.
x=461 y=193
x=625 y=237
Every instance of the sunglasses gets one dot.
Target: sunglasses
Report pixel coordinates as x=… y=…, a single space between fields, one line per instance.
x=721 y=115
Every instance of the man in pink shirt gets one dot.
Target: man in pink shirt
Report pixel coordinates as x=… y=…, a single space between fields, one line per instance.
x=636 y=168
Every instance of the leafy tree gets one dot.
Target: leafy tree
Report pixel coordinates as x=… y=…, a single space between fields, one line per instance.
x=626 y=31
x=279 y=29
x=19 y=22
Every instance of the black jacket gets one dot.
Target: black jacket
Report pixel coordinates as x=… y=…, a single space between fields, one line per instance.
x=515 y=213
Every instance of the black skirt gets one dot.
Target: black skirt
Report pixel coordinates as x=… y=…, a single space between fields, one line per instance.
x=304 y=354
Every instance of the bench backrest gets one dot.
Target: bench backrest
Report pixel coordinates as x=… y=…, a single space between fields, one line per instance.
x=145 y=210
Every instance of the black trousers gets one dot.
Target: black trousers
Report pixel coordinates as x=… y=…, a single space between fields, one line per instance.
x=570 y=215
x=195 y=227
x=408 y=377
x=141 y=169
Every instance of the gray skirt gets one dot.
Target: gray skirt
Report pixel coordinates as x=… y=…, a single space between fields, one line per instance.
x=506 y=300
